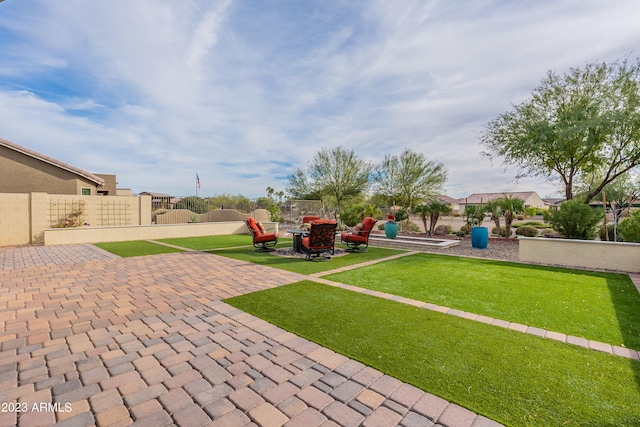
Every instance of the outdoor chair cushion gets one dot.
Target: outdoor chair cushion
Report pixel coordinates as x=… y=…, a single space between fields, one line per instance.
x=328 y=237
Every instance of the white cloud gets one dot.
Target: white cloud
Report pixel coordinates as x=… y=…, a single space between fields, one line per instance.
x=239 y=91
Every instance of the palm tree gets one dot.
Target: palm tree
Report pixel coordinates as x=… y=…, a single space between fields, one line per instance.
x=434 y=208
x=494 y=207
x=511 y=206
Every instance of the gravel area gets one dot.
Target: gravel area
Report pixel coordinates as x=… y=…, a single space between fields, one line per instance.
x=499 y=249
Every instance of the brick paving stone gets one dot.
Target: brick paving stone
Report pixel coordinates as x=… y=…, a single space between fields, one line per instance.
x=306 y=377
x=309 y=417
x=112 y=416
x=157 y=419
x=385 y=385
x=406 y=395
x=216 y=392
x=481 y=421
x=191 y=416
x=145 y=409
x=104 y=400
x=175 y=400
x=342 y=414
x=360 y=408
x=267 y=415
x=292 y=406
x=332 y=379
x=347 y=391
x=382 y=417
x=457 y=416
x=234 y=418
x=430 y=406
x=413 y=419
x=145 y=394
x=245 y=398
x=349 y=368
x=277 y=374
x=85 y=419
x=280 y=392
x=314 y=397
x=218 y=408
x=370 y=398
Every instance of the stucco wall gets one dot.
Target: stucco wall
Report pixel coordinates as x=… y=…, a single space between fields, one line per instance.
x=182 y=216
x=150 y=232
x=24 y=174
x=14 y=219
x=589 y=254
x=24 y=217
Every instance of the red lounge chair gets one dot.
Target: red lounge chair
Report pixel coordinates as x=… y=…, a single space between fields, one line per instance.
x=309 y=218
x=321 y=239
x=358 y=239
x=262 y=240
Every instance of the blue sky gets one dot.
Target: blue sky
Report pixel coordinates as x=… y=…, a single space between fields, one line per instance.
x=244 y=92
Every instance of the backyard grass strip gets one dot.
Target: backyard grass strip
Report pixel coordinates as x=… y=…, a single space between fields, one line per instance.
x=212 y=242
x=136 y=248
x=513 y=378
x=597 y=306
x=299 y=265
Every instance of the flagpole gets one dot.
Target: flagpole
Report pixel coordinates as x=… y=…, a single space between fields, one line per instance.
x=196 y=184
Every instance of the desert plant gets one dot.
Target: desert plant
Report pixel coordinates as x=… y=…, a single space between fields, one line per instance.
x=466 y=229
x=629 y=228
x=527 y=230
x=502 y=232
x=433 y=209
x=576 y=220
x=609 y=234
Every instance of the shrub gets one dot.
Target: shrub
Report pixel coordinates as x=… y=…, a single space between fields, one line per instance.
x=549 y=232
x=502 y=232
x=466 y=229
x=444 y=229
x=609 y=230
x=527 y=230
x=460 y=233
x=575 y=220
x=629 y=228
x=408 y=226
x=536 y=224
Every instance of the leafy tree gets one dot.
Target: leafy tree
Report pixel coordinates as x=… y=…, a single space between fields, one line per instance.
x=618 y=193
x=574 y=124
x=576 y=220
x=629 y=228
x=270 y=192
x=334 y=175
x=352 y=215
x=510 y=206
x=433 y=209
x=474 y=215
x=408 y=177
x=194 y=204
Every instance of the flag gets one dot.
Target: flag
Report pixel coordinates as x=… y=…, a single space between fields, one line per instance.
x=197 y=180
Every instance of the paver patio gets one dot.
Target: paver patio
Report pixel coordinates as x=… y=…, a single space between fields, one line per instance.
x=148 y=341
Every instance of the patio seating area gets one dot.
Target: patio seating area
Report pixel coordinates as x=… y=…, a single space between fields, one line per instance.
x=148 y=341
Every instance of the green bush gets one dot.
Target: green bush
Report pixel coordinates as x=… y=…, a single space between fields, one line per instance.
x=549 y=232
x=575 y=220
x=609 y=230
x=527 y=230
x=502 y=232
x=629 y=228
x=401 y=215
x=536 y=224
x=466 y=229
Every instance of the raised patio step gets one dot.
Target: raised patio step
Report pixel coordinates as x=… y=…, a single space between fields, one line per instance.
x=411 y=242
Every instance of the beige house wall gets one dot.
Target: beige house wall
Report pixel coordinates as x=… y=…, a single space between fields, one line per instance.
x=24 y=217
x=589 y=254
x=23 y=174
x=151 y=232
x=14 y=219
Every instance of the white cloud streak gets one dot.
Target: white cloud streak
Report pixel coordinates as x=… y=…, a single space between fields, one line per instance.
x=245 y=92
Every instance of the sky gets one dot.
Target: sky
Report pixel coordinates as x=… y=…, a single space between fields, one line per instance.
x=244 y=92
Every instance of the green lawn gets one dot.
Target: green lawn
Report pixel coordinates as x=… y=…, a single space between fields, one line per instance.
x=514 y=378
x=135 y=248
x=299 y=265
x=213 y=242
x=598 y=306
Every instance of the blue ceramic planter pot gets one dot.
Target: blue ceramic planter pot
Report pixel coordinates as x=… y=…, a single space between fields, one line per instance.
x=391 y=230
x=480 y=237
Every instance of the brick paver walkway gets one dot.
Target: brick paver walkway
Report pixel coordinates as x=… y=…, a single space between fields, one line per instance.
x=92 y=339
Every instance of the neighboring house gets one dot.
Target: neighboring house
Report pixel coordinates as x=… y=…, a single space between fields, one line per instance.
x=530 y=198
x=454 y=203
x=160 y=200
x=26 y=171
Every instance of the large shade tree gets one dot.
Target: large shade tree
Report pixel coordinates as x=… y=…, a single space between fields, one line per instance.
x=335 y=175
x=574 y=124
x=408 y=177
